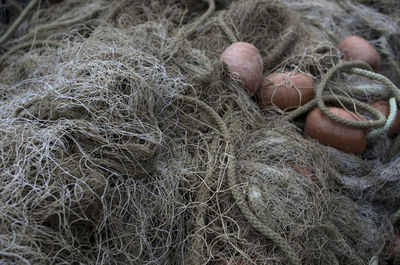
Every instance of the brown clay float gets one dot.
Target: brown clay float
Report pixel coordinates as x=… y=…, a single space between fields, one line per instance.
x=341 y=137
x=286 y=90
x=245 y=64
x=357 y=48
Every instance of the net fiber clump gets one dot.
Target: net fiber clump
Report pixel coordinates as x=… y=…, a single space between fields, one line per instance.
x=124 y=140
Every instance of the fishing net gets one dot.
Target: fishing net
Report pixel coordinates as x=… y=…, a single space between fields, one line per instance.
x=124 y=139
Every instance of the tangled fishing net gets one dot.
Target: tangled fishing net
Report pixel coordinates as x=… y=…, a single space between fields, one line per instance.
x=123 y=139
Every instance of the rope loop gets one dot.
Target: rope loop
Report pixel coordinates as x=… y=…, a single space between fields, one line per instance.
x=360 y=124
x=259 y=223
x=228 y=32
x=380 y=124
x=391 y=118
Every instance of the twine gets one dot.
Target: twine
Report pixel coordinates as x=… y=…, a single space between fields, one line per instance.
x=258 y=224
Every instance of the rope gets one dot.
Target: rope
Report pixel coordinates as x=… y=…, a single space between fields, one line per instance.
x=361 y=124
x=333 y=233
x=185 y=33
x=364 y=70
x=203 y=18
x=193 y=27
x=393 y=107
x=334 y=98
x=391 y=118
x=232 y=182
x=371 y=89
x=228 y=32
x=18 y=21
x=203 y=195
x=381 y=123
x=380 y=78
x=254 y=197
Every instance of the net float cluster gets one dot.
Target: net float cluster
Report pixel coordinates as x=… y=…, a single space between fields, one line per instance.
x=289 y=90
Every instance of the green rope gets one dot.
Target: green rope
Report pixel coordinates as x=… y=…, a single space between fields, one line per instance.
x=333 y=233
x=381 y=124
x=371 y=89
x=342 y=4
x=394 y=91
x=391 y=118
x=361 y=124
x=232 y=38
x=18 y=21
x=364 y=70
x=203 y=195
x=334 y=98
x=256 y=203
x=203 y=18
x=232 y=182
x=380 y=78
x=185 y=32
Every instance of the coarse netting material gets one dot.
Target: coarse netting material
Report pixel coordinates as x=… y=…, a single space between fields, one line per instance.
x=124 y=140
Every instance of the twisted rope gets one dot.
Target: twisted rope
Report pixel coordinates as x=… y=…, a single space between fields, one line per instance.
x=391 y=118
x=185 y=32
x=395 y=93
x=228 y=32
x=381 y=124
x=360 y=124
x=258 y=224
x=203 y=196
x=203 y=18
x=343 y=99
x=256 y=203
x=380 y=78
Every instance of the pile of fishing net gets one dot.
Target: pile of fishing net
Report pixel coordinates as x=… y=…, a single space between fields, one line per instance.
x=124 y=139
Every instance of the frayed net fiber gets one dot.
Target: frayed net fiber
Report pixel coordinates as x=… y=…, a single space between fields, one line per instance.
x=124 y=140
